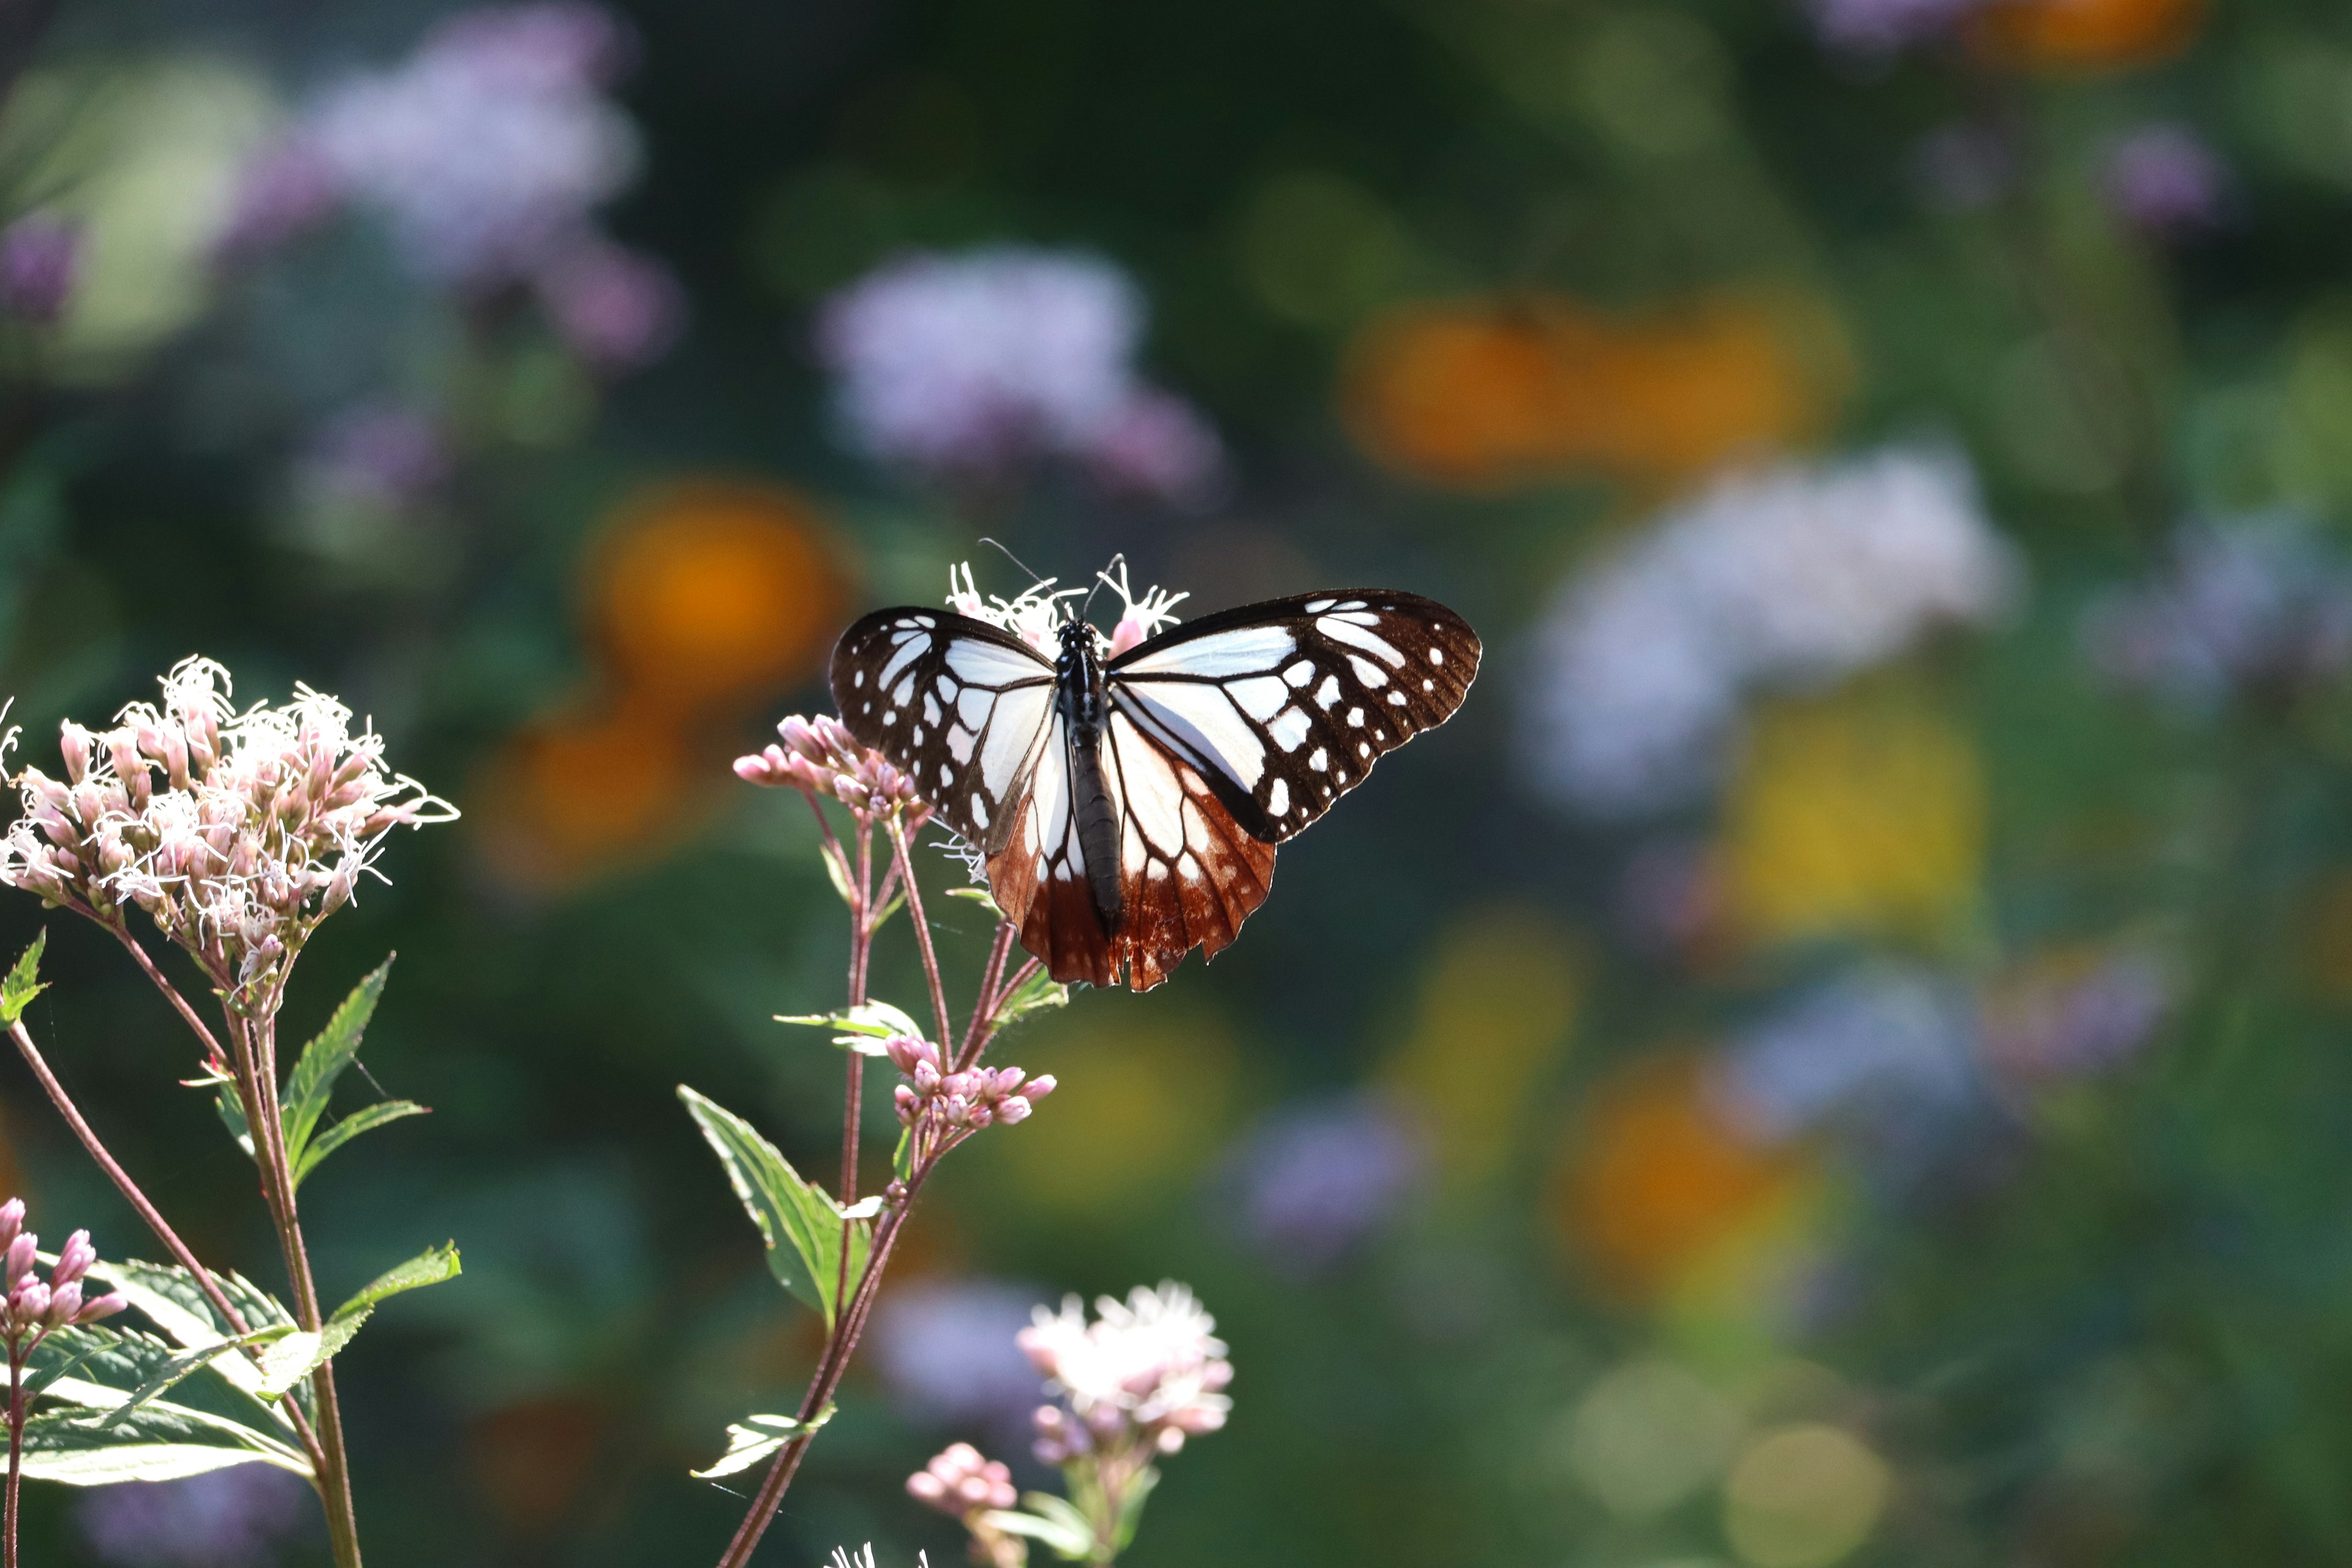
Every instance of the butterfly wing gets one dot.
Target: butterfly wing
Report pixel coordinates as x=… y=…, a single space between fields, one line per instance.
x=1284 y=707
x=961 y=707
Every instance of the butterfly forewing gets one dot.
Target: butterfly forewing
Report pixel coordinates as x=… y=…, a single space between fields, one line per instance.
x=959 y=705
x=1284 y=707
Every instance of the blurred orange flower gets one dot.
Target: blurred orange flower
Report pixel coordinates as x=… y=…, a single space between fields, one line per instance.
x=528 y=1460
x=1852 y=813
x=576 y=793
x=1489 y=392
x=705 y=591
x=1652 y=1183
x=2068 y=35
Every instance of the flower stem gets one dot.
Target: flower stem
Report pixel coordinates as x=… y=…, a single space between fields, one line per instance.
x=151 y=1216
x=922 y=931
x=15 y=1448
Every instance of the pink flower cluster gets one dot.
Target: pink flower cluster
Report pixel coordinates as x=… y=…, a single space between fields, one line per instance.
x=238 y=832
x=1144 y=1375
x=960 y=1480
x=959 y=1101
x=820 y=757
x=34 y=1307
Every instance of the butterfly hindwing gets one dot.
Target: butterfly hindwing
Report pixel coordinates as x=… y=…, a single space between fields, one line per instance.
x=959 y=705
x=1284 y=707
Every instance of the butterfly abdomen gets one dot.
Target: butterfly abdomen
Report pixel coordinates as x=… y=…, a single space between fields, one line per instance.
x=1085 y=707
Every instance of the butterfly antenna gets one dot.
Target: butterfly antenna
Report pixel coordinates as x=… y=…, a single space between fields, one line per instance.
x=999 y=547
x=1102 y=577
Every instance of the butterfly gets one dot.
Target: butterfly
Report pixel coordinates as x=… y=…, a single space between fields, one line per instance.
x=1128 y=808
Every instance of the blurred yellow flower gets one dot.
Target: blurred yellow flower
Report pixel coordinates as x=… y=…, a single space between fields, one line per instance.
x=1852 y=813
x=2071 y=36
x=1488 y=393
x=1652 y=1186
x=1146 y=1094
x=1497 y=1004
x=709 y=590
x=580 y=792
x=1803 y=1495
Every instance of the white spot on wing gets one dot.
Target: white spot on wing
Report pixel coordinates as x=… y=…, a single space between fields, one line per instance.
x=1371 y=674
x=1341 y=629
x=1319 y=759
x=1317 y=606
x=1290 y=729
x=1299 y=674
x=1202 y=718
x=960 y=744
x=1356 y=717
x=991 y=664
x=1278 y=799
x=1326 y=696
x=910 y=649
x=930 y=709
x=1436 y=655
x=979 y=810
x=1259 y=695
x=1245 y=650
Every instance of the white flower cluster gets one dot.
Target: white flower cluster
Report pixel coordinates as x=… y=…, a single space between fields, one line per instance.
x=1792 y=578
x=1145 y=1374
x=973 y=364
x=1036 y=613
x=238 y=832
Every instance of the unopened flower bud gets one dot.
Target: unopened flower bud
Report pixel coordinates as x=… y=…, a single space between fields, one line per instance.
x=65 y=1303
x=74 y=741
x=12 y=1221
x=28 y=1303
x=74 y=1258
x=1039 y=1087
x=19 y=1259
x=99 y=1307
x=1013 y=1112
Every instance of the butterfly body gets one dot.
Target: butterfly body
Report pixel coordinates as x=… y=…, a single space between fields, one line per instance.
x=1128 y=808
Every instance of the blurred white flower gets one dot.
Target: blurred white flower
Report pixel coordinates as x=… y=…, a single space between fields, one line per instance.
x=2258 y=605
x=973 y=364
x=1145 y=1374
x=1792 y=577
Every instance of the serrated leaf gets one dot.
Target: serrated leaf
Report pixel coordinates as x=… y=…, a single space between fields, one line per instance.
x=432 y=1267
x=366 y=1120
x=170 y=1298
x=172 y=1372
x=754 y=1439
x=980 y=896
x=1040 y=993
x=153 y=1444
x=110 y=1375
x=299 y=1354
x=1055 y=1523
x=864 y=1027
x=803 y=1226
x=24 y=981
x=323 y=1060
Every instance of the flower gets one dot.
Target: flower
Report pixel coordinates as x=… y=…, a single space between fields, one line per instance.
x=973 y=365
x=31 y=1307
x=820 y=757
x=959 y=1481
x=2164 y=180
x=863 y=1557
x=2079 y=36
x=236 y=833
x=2258 y=605
x=222 y=1519
x=379 y=454
x=2075 y=1012
x=1788 y=578
x=943 y=1108
x=1878 y=27
x=1316 y=1179
x=488 y=147
x=1144 y=1375
x=616 y=306
x=945 y=1349
x=40 y=256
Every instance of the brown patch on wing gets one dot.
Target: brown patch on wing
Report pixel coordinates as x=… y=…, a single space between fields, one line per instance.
x=1046 y=898
x=1193 y=892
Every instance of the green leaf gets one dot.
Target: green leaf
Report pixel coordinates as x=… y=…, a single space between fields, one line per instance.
x=172 y=1372
x=323 y=1060
x=170 y=1298
x=897 y=902
x=155 y=1443
x=366 y=1120
x=755 y=1437
x=790 y=1213
x=23 y=983
x=1130 y=1507
x=432 y=1267
x=296 y=1355
x=230 y=1103
x=120 y=1378
x=836 y=871
x=864 y=1027
x=1037 y=994
x=980 y=896
x=1054 y=1522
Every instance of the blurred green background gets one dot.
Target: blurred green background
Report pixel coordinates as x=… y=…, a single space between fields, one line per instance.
x=1838 y=1055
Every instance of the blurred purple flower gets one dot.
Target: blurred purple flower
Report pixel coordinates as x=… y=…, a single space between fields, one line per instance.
x=487 y=151
x=1965 y=166
x=380 y=453
x=286 y=190
x=1881 y=28
x=40 y=256
x=971 y=365
x=2260 y=605
x=2073 y=1023
x=2163 y=180
x=946 y=1352
x=617 y=307
x=222 y=1519
x=1888 y=1051
x=1315 y=1181
x=1160 y=447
